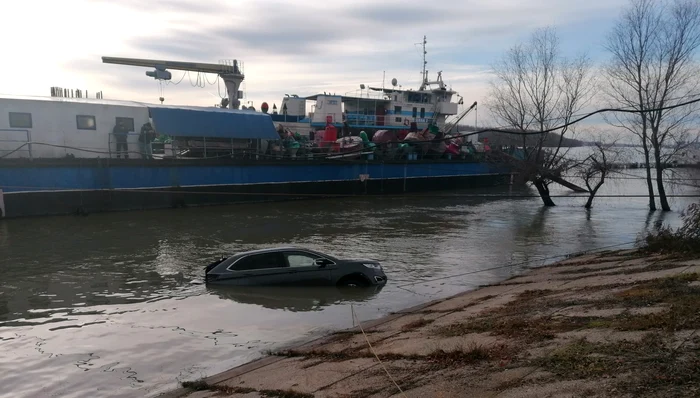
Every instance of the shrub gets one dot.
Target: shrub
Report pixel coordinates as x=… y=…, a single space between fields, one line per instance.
x=685 y=239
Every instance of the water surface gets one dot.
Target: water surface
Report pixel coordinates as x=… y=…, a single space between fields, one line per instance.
x=113 y=305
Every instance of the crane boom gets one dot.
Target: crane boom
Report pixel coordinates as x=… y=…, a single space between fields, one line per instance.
x=459 y=118
x=229 y=71
x=177 y=65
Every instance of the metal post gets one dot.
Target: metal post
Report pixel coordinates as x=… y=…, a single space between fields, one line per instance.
x=404 y=176
x=29 y=145
x=205 y=146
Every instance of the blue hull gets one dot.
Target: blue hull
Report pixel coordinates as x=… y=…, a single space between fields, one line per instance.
x=68 y=186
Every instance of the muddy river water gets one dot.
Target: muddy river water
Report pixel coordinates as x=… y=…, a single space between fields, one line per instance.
x=113 y=304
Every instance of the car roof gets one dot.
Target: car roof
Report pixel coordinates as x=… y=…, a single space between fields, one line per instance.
x=277 y=249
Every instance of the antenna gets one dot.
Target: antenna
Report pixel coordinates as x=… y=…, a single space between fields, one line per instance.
x=425 y=63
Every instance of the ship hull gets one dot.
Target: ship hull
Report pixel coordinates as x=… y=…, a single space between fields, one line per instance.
x=90 y=185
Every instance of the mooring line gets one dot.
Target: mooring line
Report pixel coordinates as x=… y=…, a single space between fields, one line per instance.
x=359 y=324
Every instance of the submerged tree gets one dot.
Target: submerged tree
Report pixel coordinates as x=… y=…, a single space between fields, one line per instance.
x=535 y=89
x=596 y=168
x=653 y=66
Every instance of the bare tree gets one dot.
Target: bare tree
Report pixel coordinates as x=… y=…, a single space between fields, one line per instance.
x=653 y=66
x=536 y=88
x=596 y=167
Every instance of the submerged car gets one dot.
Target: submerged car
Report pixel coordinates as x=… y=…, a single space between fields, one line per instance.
x=293 y=266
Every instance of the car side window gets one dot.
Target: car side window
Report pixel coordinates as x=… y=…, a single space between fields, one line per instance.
x=296 y=259
x=260 y=261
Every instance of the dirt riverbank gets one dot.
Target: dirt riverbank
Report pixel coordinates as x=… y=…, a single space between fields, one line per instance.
x=612 y=324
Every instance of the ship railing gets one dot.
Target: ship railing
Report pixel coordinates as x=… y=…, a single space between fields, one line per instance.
x=366 y=119
x=15 y=141
x=332 y=150
x=212 y=147
x=131 y=144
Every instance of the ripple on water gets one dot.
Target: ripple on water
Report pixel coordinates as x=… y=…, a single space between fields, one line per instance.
x=115 y=313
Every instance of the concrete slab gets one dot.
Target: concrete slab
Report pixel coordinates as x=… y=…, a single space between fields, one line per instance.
x=422 y=344
x=205 y=394
x=375 y=381
x=471 y=298
x=592 y=312
x=601 y=336
x=308 y=375
x=469 y=306
x=351 y=342
x=504 y=378
x=407 y=321
x=559 y=389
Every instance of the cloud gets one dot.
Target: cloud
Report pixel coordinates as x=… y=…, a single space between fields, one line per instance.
x=300 y=46
x=169 y=6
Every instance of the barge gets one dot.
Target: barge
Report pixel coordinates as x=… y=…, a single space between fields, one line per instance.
x=68 y=154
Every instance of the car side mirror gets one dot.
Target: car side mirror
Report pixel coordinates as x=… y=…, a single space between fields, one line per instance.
x=322 y=262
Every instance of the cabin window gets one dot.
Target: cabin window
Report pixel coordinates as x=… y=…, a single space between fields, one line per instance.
x=21 y=120
x=422 y=112
x=86 y=122
x=396 y=98
x=260 y=261
x=128 y=122
x=415 y=112
x=397 y=112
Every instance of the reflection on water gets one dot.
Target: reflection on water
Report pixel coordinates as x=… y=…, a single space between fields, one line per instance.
x=113 y=304
x=295 y=299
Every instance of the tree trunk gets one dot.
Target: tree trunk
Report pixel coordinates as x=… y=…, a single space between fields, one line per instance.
x=647 y=165
x=594 y=191
x=567 y=184
x=544 y=193
x=660 y=179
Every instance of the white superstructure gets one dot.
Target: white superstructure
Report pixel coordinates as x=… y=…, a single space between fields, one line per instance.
x=59 y=127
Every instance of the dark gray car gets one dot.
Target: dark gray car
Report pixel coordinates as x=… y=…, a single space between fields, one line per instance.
x=293 y=266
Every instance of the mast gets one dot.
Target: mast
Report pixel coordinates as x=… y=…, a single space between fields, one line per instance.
x=425 y=63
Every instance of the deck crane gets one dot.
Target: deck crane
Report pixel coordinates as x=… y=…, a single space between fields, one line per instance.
x=229 y=70
x=450 y=126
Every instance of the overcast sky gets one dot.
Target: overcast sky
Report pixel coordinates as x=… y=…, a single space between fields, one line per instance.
x=296 y=47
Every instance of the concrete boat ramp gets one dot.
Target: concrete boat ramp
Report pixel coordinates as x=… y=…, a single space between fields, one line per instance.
x=613 y=324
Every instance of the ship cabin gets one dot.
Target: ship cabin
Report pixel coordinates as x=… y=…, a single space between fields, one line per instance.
x=59 y=127
x=379 y=108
